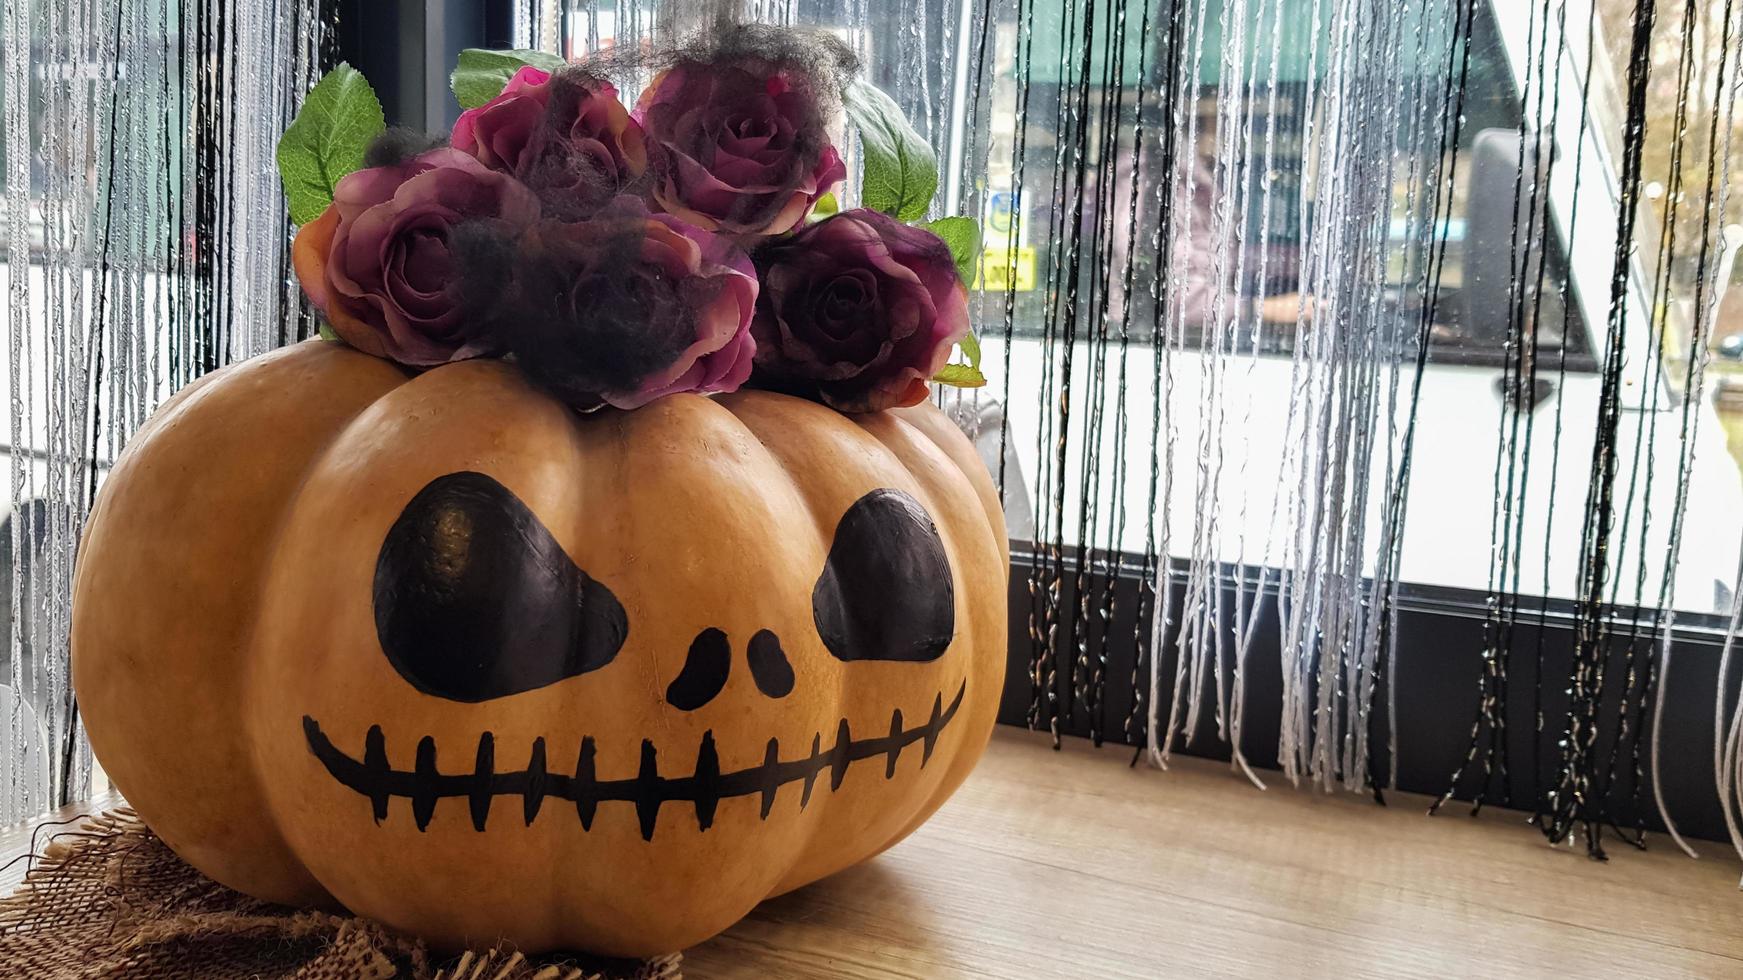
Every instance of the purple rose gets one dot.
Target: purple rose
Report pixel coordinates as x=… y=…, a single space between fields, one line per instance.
x=388 y=282
x=739 y=146
x=629 y=306
x=858 y=310
x=565 y=135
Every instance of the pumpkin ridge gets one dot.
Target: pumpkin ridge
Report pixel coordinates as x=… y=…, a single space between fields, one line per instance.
x=928 y=430
x=181 y=514
x=994 y=517
x=313 y=462
x=765 y=401
x=760 y=411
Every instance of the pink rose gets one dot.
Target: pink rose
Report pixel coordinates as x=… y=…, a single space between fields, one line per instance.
x=629 y=306
x=739 y=146
x=498 y=131
x=387 y=280
x=565 y=135
x=858 y=311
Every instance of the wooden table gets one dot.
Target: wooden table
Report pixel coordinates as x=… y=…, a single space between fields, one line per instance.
x=1071 y=864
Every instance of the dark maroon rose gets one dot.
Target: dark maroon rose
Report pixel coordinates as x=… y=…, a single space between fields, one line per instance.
x=564 y=135
x=388 y=280
x=630 y=306
x=740 y=145
x=858 y=311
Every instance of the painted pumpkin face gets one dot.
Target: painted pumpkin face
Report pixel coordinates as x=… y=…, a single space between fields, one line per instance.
x=467 y=663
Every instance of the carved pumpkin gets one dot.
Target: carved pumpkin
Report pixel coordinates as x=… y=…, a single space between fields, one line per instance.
x=468 y=663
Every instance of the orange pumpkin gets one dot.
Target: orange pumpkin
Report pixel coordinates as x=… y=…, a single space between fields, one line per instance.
x=471 y=664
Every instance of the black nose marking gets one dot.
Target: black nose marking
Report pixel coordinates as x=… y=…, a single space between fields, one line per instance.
x=769 y=666
x=474 y=599
x=704 y=673
x=886 y=592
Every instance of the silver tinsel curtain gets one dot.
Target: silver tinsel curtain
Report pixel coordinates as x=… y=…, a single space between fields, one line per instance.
x=145 y=243
x=1300 y=317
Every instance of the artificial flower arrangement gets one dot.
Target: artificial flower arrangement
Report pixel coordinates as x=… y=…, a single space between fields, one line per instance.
x=507 y=619
x=688 y=244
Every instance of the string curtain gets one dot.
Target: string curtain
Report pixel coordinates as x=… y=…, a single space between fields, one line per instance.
x=1294 y=313
x=1298 y=311
x=145 y=243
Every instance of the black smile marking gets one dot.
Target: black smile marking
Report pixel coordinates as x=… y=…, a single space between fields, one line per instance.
x=374 y=778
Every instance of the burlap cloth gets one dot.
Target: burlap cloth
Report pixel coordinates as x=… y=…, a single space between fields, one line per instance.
x=108 y=899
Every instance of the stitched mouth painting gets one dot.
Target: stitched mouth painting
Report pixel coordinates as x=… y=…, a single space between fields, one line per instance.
x=603 y=569
x=647 y=790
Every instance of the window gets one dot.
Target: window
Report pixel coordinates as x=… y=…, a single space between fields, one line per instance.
x=1249 y=188
x=1505 y=272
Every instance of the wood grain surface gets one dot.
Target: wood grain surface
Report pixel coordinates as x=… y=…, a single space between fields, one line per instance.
x=1071 y=864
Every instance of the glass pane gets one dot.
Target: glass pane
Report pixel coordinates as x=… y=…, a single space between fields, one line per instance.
x=1240 y=211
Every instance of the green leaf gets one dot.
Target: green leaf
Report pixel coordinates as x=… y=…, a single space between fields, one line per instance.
x=825 y=206
x=971 y=349
x=480 y=75
x=327 y=140
x=326 y=332
x=900 y=170
x=963 y=237
x=960 y=376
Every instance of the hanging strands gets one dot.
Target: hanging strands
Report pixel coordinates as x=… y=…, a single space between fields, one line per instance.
x=1369 y=128
x=1051 y=439
x=1429 y=191
x=1141 y=721
x=145 y=246
x=1714 y=254
x=1168 y=174
x=1334 y=425
x=1075 y=285
x=1345 y=270
x=1572 y=803
x=1622 y=623
x=1535 y=161
x=1643 y=620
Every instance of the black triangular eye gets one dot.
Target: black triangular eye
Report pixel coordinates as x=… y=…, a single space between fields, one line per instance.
x=885 y=592
x=474 y=599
